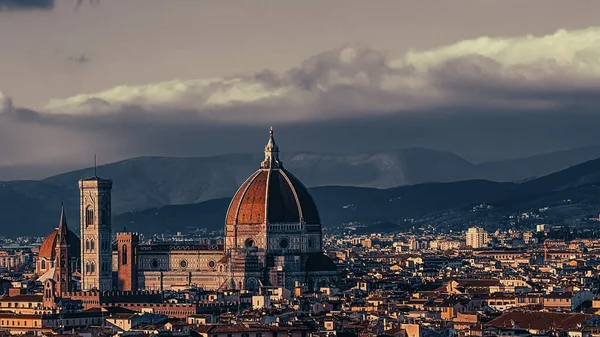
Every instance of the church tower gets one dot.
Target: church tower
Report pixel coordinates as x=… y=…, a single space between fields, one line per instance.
x=127 y=243
x=63 y=263
x=96 y=236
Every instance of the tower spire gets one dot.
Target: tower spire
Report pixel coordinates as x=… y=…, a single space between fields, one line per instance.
x=271 y=154
x=62 y=262
x=95 y=167
x=62 y=225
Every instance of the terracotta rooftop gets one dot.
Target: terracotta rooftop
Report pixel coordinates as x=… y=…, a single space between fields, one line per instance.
x=48 y=247
x=476 y=283
x=540 y=320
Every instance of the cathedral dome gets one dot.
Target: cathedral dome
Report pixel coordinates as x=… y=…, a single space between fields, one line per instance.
x=272 y=195
x=48 y=247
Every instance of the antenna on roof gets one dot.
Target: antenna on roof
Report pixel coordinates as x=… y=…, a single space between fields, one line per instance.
x=95 y=167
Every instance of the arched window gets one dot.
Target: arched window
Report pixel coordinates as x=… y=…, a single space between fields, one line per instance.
x=124 y=255
x=93 y=267
x=87 y=268
x=103 y=212
x=92 y=245
x=89 y=216
x=43 y=264
x=87 y=244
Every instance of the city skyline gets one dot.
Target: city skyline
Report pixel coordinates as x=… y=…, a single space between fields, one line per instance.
x=308 y=168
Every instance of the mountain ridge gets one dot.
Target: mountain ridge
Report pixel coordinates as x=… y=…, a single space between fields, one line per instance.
x=139 y=187
x=576 y=188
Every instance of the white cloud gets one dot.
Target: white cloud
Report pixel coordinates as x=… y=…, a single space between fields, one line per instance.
x=519 y=72
x=6 y=104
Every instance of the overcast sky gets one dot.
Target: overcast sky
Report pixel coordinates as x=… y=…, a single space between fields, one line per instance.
x=484 y=79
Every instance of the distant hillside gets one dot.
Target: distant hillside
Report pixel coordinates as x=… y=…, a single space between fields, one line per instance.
x=536 y=166
x=337 y=205
x=145 y=186
x=146 y=182
x=574 y=192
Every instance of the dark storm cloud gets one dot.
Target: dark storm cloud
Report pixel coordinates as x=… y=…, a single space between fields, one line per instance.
x=482 y=77
x=18 y=5
x=478 y=133
x=485 y=99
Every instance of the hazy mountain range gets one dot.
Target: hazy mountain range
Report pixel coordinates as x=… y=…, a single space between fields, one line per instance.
x=571 y=194
x=150 y=183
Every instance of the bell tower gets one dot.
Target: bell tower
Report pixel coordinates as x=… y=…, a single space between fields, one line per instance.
x=96 y=235
x=127 y=243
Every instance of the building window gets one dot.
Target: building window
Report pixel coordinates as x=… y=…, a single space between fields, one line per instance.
x=124 y=254
x=284 y=243
x=249 y=243
x=211 y=264
x=183 y=263
x=154 y=264
x=89 y=216
x=43 y=264
x=92 y=245
x=103 y=212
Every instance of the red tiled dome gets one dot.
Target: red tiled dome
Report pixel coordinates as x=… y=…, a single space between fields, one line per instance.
x=273 y=196
x=48 y=247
